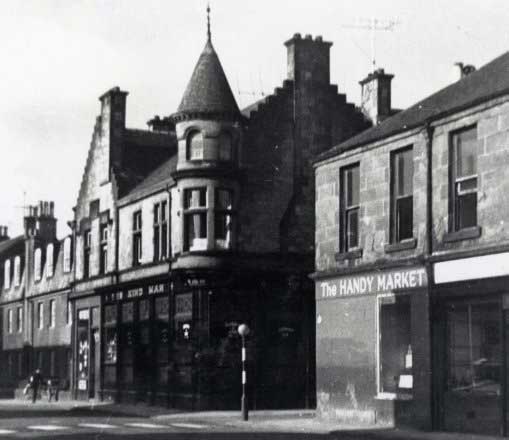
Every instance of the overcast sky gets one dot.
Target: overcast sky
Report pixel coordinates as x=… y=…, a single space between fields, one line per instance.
x=58 y=56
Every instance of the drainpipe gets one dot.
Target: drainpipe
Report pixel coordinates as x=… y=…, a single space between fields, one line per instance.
x=428 y=250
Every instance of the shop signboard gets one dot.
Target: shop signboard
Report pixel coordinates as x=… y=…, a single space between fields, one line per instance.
x=372 y=283
x=137 y=292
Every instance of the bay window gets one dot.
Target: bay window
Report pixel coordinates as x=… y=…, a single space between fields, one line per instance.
x=195 y=219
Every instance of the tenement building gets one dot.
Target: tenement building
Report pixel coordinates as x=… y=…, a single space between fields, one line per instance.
x=203 y=222
x=36 y=278
x=412 y=263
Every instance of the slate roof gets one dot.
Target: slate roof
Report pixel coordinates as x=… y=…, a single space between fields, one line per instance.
x=488 y=82
x=208 y=90
x=6 y=245
x=158 y=179
x=144 y=151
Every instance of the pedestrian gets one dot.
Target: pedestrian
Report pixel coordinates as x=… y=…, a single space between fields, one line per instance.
x=36 y=382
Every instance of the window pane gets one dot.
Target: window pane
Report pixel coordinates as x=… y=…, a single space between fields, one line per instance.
x=395 y=345
x=466 y=152
x=467 y=210
x=352 y=186
x=164 y=241
x=352 y=228
x=195 y=198
x=110 y=345
x=156 y=213
x=224 y=199
x=225 y=146
x=196 y=231
x=404 y=218
x=195 y=146
x=164 y=208
x=127 y=312
x=404 y=172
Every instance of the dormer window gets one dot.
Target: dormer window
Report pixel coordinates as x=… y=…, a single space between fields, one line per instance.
x=37 y=264
x=7 y=274
x=49 y=260
x=17 y=271
x=67 y=255
x=195 y=146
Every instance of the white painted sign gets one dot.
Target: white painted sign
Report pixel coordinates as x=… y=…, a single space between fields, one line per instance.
x=372 y=283
x=486 y=266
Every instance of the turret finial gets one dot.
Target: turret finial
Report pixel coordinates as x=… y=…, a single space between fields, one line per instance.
x=208 y=22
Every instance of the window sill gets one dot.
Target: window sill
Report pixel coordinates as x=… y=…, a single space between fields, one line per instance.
x=463 y=234
x=350 y=255
x=404 y=245
x=393 y=396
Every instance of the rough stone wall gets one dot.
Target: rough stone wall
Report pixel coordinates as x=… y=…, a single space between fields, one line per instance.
x=60 y=333
x=374 y=219
x=492 y=121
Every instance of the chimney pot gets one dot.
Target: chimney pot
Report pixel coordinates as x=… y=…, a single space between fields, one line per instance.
x=308 y=37
x=319 y=38
x=297 y=36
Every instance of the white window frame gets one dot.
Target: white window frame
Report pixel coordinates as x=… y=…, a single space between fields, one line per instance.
x=37 y=264
x=380 y=395
x=17 y=271
x=7 y=274
x=50 y=249
x=40 y=315
x=19 y=319
x=67 y=255
x=52 y=313
x=9 y=320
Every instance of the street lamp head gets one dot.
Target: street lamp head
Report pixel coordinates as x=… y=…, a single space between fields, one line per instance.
x=243 y=330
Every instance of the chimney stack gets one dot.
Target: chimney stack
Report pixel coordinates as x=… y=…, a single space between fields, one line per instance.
x=464 y=69
x=376 y=96
x=40 y=221
x=3 y=233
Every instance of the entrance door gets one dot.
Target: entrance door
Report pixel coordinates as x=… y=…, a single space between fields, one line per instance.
x=473 y=378
x=94 y=364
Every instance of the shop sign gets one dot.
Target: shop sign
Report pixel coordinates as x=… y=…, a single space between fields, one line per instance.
x=136 y=292
x=372 y=283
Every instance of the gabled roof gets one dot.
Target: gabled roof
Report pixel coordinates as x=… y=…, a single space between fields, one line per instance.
x=488 y=82
x=208 y=90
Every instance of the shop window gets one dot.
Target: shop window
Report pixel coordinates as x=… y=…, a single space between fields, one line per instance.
x=195 y=146
x=52 y=312
x=110 y=344
x=53 y=363
x=183 y=316
x=67 y=255
x=10 y=364
x=40 y=315
x=19 y=321
x=349 y=208
x=402 y=201
x=128 y=343
x=474 y=354
x=223 y=218
x=83 y=349
x=7 y=274
x=49 y=260
x=103 y=248
x=20 y=364
x=87 y=250
x=161 y=230
x=9 y=321
x=463 y=177
x=137 y=238
x=17 y=271
x=38 y=264
x=162 y=309
x=395 y=346
x=195 y=219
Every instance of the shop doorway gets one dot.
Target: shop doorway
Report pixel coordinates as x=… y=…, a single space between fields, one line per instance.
x=473 y=385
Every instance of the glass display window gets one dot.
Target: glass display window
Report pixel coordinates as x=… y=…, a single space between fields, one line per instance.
x=395 y=358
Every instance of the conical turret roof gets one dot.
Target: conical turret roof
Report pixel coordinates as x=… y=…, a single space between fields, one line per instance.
x=208 y=90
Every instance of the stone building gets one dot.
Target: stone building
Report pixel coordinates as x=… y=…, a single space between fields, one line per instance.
x=201 y=223
x=36 y=279
x=412 y=263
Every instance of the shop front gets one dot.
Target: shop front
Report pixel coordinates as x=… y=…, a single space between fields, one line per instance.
x=373 y=342
x=471 y=327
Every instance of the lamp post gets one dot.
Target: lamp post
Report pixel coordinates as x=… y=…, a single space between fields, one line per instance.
x=243 y=332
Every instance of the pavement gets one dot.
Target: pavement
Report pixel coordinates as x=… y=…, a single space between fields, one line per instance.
x=100 y=420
